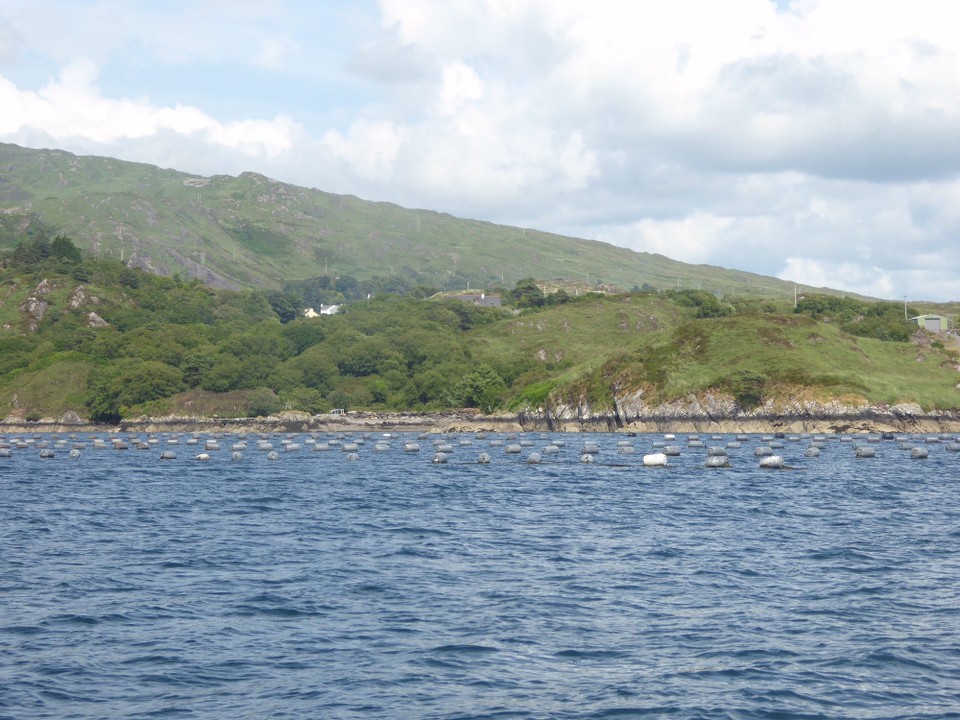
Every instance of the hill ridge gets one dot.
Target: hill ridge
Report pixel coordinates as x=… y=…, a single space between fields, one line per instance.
x=251 y=230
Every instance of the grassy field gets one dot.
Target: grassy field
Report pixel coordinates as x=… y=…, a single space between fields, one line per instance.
x=616 y=344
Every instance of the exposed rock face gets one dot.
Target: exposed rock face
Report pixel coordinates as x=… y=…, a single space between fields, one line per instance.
x=721 y=413
x=80 y=297
x=95 y=321
x=34 y=307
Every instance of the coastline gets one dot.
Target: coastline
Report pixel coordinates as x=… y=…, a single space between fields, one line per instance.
x=467 y=421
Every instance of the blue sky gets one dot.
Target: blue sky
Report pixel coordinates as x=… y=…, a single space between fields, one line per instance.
x=816 y=140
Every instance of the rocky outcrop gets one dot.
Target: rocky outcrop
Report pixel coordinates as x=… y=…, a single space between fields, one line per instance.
x=721 y=413
x=35 y=306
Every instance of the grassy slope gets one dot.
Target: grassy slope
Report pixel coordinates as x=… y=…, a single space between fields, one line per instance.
x=634 y=342
x=250 y=230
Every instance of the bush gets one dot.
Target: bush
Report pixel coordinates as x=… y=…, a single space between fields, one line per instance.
x=262 y=401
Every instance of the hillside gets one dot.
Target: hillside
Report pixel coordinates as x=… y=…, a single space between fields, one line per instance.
x=251 y=231
x=103 y=341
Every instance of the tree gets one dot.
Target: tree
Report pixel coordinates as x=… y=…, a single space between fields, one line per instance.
x=262 y=401
x=482 y=388
x=526 y=293
x=63 y=248
x=287 y=306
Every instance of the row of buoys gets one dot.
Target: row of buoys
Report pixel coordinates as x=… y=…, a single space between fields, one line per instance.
x=717 y=455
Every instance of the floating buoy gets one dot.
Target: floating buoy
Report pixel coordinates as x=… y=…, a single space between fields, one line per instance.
x=716 y=452
x=483 y=459
x=353 y=457
x=919 y=453
x=46 y=453
x=273 y=455
x=718 y=461
x=773 y=462
x=586 y=458
x=763 y=451
x=626 y=450
x=74 y=453
x=168 y=455
x=203 y=457
x=812 y=452
x=655 y=460
x=534 y=458
x=440 y=458
x=865 y=452
x=236 y=455
x=513 y=449
x=411 y=447
x=551 y=450
x=672 y=451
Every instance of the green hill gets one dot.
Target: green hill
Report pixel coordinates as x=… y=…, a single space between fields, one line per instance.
x=108 y=342
x=251 y=231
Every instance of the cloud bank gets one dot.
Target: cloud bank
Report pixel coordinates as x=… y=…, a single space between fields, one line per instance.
x=817 y=141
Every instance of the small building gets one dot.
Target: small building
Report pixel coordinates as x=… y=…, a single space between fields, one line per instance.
x=324 y=310
x=933 y=323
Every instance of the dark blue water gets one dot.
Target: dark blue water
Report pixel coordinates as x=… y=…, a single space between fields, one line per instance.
x=391 y=587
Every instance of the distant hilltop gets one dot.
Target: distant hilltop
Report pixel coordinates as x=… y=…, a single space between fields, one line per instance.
x=253 y=231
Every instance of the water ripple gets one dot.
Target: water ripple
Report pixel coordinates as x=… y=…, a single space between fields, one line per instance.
x=315 y=587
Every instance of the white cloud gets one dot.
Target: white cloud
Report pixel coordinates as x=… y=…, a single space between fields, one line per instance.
x=73 y=107
x=735 y=133
x=853 y=277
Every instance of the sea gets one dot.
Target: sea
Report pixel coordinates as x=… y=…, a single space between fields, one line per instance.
x=287 y=577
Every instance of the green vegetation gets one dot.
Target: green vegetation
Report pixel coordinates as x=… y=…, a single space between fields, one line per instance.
x=110 y=342
x=251 y=231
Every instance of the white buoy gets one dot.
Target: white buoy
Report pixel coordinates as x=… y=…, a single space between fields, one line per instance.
x=655 y=460
x=273 y=455
x=483 y=458
x=203 y=457
x=812 y=452
x=865 y=452
x=168 y=455
x=772 y=462
x=718 y=461
x=411 y=447
x=534 y=458
x=586 y=458
x=353 y=457
x=440 y=458
x=919 y=453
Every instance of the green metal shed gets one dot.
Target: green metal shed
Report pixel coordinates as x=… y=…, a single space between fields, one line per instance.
x=933 y=323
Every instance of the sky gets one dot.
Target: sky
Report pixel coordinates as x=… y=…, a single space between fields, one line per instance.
x=814 y=140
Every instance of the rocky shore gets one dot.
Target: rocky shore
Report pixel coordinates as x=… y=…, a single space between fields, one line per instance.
x=692 y=415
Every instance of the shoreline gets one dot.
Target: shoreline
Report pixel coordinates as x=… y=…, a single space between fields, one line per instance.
x=466 y=421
